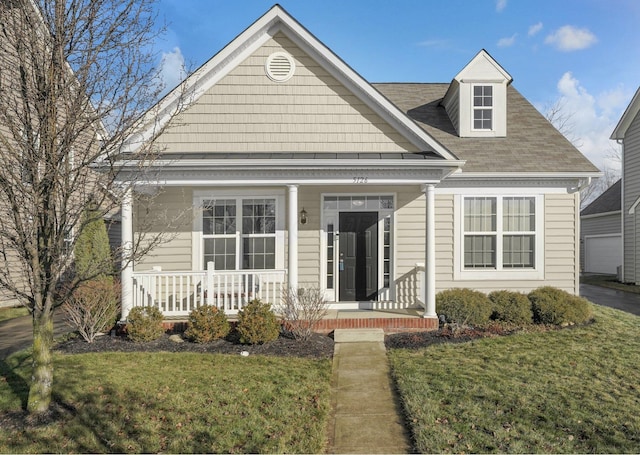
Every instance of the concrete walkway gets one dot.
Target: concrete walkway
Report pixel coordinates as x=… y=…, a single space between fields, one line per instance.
x=367 y=417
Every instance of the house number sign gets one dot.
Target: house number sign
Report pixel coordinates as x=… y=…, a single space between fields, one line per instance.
x=360 y=180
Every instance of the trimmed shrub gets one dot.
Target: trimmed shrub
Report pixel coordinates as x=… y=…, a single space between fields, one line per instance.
x=464 y=306
x=205 y=324
x=144 y=323
x=257 y=324
x=554 y=306
x=512 y=307
x=93 y=307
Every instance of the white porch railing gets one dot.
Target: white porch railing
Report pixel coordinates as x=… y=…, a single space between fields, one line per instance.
x=178 y=293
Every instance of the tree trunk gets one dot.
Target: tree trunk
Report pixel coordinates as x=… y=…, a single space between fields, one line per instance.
x=42 y=371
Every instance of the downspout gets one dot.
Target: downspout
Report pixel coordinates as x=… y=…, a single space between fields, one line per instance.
x=620 y=142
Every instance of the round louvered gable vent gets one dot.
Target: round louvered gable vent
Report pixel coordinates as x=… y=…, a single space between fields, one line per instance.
x=280 y=67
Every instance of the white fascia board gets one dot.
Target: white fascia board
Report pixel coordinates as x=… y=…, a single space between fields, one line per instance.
x=186 y=164
x=523 y=175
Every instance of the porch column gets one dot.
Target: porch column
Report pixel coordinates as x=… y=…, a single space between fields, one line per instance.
x=429 y=298
x=292 y=225
x=126 y=276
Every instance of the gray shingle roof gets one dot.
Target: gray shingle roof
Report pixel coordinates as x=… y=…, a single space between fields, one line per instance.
x=609 y=201
x=532 y=143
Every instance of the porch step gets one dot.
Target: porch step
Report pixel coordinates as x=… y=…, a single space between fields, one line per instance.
x=357 y=335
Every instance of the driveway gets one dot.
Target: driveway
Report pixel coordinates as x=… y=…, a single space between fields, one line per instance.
x=17 y=333
x=620 y=300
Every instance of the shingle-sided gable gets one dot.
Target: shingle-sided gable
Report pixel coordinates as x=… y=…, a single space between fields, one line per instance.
x=246 y=111
x=532 y=144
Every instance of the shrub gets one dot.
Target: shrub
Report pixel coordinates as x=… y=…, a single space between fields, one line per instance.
x=206 y=323
x=464 y=306
x=554 y=306
x=512 y=307
x=93 y=307
x=301 y=309
x=257 y=324
x=144 y=323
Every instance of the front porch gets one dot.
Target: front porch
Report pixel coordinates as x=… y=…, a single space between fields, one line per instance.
x=176 y=294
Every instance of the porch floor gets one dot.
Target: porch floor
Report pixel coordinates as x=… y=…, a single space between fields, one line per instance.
x=390 y=320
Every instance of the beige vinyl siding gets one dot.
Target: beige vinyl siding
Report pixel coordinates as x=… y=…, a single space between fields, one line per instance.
x=309 y=198
x=172 y=216
x=312 y=112
x=560 y=248
x=631 y=192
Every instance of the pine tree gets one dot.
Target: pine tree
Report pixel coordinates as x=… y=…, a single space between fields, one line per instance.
x=92 y=252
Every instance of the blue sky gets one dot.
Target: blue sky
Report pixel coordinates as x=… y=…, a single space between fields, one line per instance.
x=582 y=54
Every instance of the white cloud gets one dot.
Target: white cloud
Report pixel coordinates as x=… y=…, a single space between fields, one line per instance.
x=592 y=119
x=172 y=68
x=535 y=28
x=568 y=38
x=507 y=42
x=435 y=43
x=500 y=5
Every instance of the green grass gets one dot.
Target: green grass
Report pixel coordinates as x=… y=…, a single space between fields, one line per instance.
x=609 y=281
x=176 y=403
x=567 y=391
x=12 y=312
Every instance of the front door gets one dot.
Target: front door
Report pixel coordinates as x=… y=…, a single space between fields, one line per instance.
x=358 y=255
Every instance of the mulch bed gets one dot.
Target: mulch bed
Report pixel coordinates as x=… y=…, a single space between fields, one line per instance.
x=318 y=346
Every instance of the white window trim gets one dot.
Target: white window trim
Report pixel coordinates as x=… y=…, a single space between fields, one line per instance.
x=492 y=108
x=197 y=238
x=499 y=273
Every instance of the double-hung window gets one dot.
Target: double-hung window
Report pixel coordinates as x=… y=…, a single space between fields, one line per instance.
x=239 y=233
x=483 y=107
x=500 y=233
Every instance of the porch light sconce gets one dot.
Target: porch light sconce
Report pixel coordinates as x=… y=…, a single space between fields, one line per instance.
x=303 y=216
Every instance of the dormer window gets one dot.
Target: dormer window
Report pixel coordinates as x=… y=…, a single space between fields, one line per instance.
x=483 y=107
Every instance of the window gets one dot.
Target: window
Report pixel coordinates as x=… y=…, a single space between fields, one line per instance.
x=482 y=107
x=499 y=233
x=239 y=233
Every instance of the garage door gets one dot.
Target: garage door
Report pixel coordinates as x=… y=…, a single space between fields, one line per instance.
x=603 y=254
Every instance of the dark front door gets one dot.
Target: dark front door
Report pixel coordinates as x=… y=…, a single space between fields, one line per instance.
x=358 y=251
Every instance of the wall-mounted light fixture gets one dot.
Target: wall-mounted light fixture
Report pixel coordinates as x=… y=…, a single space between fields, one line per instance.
x=303 y=216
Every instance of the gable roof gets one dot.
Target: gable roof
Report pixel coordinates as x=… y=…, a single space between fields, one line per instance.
x=274 y=21
x=629 y=114
x=532 y=144
x=609 y=201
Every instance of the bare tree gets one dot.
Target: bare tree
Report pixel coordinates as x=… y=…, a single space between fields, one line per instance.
x=75 y=77
x=562 y=120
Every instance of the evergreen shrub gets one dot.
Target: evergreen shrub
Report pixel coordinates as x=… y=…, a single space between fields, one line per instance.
x=554 y=306
x=257 y=324
x=206 y=323
x=512 y=307
x=144 y=323
x=464 y=306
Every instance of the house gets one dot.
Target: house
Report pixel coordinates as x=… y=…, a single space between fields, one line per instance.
x=295 y=171
x=627 y=133
x=601 y=232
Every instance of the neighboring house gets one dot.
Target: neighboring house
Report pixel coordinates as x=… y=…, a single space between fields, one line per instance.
x=627 y=133
x=295 y=171
x=601 y=232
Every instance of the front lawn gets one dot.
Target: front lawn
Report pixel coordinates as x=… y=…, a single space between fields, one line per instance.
x=171 y=402
x=574 y=390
